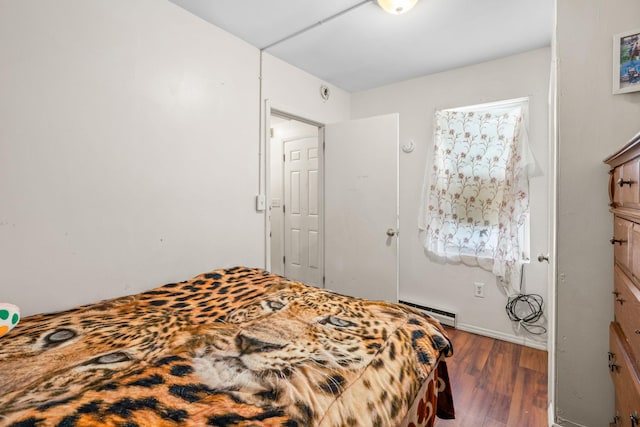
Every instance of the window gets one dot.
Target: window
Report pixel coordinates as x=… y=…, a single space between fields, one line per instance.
x=475 y=206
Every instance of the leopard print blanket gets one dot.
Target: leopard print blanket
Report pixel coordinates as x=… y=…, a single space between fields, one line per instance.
x=232 y=347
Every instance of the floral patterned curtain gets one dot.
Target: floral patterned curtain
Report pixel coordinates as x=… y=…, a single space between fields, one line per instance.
x=475 y=205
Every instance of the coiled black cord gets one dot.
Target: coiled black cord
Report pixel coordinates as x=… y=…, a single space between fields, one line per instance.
x=527 y=310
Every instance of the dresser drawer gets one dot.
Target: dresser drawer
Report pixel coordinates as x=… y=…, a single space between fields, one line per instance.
x=625 y=379
x=625 y=184
x=627 y=309
x=621 y=239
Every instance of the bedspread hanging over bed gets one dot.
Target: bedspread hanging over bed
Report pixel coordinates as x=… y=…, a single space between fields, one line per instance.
x=236 y=347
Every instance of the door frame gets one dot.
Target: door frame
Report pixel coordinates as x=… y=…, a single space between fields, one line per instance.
x=552 y=284
x=268 y=112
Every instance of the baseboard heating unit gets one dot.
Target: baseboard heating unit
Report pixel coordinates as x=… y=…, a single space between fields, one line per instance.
x=442 y=316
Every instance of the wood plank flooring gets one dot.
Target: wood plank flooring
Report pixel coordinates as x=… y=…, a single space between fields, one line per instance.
x=496 y=383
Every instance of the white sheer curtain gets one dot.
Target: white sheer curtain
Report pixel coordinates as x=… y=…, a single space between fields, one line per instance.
x=475 y=201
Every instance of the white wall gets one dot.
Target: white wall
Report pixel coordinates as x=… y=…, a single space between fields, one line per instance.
x=593 y=123
x=293 y=91
x=128 y=150
x=451 y=286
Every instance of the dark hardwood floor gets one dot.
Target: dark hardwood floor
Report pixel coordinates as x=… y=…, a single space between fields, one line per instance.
x=496 y=383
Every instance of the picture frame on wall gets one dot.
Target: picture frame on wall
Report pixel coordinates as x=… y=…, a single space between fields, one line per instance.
x=626 y=62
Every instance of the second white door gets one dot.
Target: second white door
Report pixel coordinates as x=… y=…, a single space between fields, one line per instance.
x=361 y=207
x=302 y=211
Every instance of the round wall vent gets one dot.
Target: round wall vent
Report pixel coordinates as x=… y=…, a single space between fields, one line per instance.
x=324 y=92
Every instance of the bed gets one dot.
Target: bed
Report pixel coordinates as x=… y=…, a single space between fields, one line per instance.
x=232 y=347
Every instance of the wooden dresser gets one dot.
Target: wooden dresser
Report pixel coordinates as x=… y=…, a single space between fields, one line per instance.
x=624 y=331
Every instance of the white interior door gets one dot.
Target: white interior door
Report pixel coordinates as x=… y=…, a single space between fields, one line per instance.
x=361 y=207
x=303 y=249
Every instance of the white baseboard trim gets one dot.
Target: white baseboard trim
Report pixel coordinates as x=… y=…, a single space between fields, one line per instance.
x=566 y=423
x=502 y=336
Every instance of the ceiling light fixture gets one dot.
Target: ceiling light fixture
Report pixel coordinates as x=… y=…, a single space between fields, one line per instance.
x=397 y=7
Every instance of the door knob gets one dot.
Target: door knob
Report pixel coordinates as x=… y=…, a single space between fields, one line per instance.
x=542 y=258
x=391 y=232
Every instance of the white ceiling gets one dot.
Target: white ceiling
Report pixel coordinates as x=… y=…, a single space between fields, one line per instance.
x=365 y=47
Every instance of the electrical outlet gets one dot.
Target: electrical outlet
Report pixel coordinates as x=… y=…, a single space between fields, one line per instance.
x=478 y=289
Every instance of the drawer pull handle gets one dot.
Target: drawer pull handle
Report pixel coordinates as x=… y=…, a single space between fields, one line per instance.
x=621 y=182
x=621 y=300
x=618 y=241
x=637 y=331
x=611 y=355
x=616 y=293
x=613 y=366
x=634 y=419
